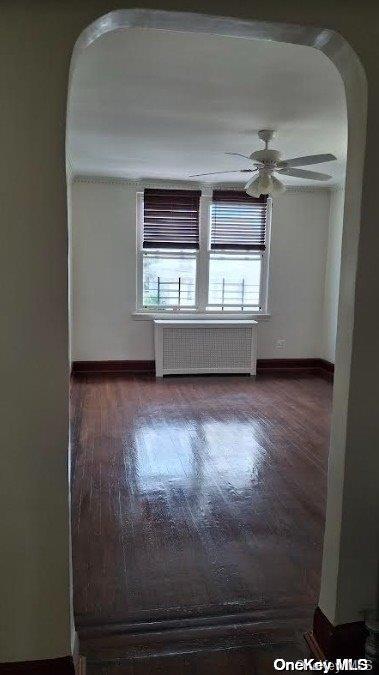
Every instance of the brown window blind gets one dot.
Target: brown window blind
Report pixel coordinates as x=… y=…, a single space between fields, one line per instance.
x=238 y=221
x=171 y=219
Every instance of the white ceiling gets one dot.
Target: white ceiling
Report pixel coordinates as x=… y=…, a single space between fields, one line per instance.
x=151 y=104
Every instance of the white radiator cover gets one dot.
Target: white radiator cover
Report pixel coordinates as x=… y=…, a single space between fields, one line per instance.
x=205 y=346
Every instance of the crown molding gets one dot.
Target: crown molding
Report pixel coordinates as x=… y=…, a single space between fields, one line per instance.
x=140 y=185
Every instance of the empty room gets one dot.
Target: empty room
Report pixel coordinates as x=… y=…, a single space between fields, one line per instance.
x=205 y=190
x=189 y=421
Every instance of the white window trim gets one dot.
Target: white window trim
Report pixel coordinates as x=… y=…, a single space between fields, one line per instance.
x=203 y=257
x=202 y=274
x=139 y=250
x=149 y=315
x=265 y=267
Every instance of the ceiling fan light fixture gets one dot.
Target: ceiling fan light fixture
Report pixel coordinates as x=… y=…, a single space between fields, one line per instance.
x=252 y=188
x=277 y=186
x=264 y=184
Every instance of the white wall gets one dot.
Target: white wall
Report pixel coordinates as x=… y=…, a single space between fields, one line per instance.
x=299 y=236
x=104 y=274
x=332 y=275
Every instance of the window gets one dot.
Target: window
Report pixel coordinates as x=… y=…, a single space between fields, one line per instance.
x=234 y=282
x=169 y=248
x=202 y=253
x=169 y=280
x=238 y=226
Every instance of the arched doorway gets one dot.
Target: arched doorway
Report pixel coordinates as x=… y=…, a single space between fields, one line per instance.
x=331 y=45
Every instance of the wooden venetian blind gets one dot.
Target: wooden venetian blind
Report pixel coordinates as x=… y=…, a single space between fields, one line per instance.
x=238 y=221
x=171 y=219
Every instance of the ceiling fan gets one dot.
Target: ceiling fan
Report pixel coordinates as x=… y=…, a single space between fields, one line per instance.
x=268 y=161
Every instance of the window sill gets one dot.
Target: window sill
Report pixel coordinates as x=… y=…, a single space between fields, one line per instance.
x=150 y=316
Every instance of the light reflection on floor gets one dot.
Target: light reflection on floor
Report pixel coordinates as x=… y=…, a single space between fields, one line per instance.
x=168 y=454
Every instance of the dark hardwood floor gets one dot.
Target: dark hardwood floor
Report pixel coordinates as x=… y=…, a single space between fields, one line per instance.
x=225 y=661
x=198 y=500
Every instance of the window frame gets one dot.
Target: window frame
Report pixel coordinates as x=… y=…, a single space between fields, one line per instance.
x=202 y=255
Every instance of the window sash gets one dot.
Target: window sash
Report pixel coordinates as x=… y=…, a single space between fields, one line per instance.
x=167 y=290
x=236 y=295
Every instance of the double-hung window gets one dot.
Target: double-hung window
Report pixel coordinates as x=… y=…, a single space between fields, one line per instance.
x=238 y=232
x=202 y=253
x=170 y=245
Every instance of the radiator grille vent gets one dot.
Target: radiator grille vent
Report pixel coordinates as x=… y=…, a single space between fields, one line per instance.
x=205 y=348
x=187 y=348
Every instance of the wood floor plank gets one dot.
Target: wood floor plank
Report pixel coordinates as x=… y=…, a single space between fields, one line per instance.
x=196 y=495
x=222 y=661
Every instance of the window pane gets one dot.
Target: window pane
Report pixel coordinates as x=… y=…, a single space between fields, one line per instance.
x=169 y=280
x=234 y=281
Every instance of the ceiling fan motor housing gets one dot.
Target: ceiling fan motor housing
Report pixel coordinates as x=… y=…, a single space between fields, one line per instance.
x=266 y=156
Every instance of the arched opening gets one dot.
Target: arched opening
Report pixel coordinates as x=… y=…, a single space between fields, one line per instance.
x=349 y=68
x=34 y=414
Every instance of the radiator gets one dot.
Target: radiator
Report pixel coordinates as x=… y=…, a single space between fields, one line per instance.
x=205 y=346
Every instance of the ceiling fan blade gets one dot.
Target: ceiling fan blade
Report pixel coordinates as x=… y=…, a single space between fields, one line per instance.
x=308 y=159
x=300 y=173
x=213 y=173
x=237 y=154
